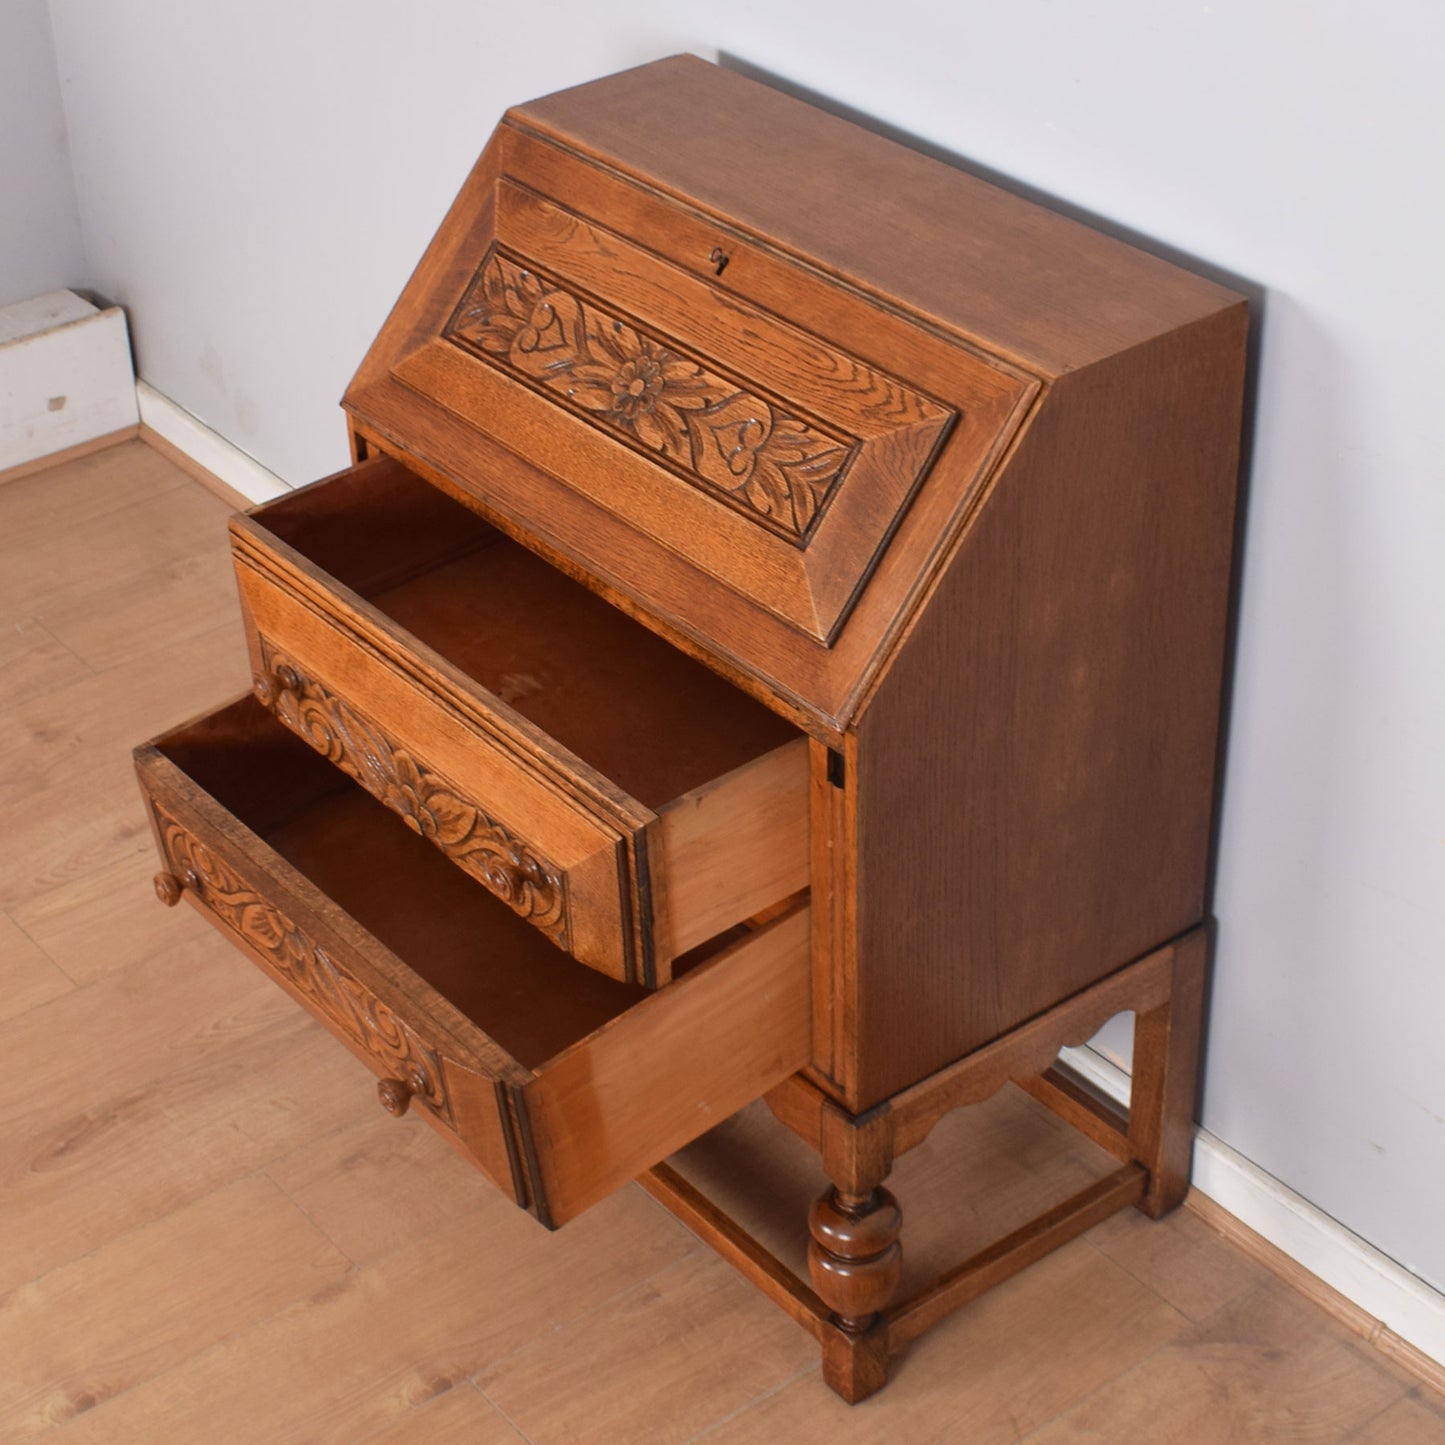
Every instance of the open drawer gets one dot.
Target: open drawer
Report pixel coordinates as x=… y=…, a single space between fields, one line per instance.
x=625 y=800
x=560 y=1084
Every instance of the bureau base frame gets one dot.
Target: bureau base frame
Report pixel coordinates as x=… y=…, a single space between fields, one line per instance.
x=855 y=1250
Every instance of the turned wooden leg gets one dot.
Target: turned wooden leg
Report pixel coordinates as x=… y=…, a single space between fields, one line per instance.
x=1166 y=1077
x=855 y=1262
x=854 y=1257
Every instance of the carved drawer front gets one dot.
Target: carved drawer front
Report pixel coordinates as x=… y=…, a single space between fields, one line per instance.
x=622 y=799
x=558 y=1083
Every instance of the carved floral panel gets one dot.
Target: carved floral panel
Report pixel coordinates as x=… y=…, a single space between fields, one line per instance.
x=427 y=801
x=306 y=967
x=776 y=468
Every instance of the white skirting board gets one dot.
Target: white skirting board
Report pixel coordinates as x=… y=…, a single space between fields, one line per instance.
x=65 y=376
x=208 y=449
x=1372 y=1281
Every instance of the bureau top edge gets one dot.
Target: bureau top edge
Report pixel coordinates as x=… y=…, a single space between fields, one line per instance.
x=1033 y=286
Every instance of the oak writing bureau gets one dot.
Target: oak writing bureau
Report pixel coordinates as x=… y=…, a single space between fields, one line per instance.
x=769 y=645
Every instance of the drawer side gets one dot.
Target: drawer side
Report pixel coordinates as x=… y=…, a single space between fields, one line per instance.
x=668 y=1070
x=733 y=848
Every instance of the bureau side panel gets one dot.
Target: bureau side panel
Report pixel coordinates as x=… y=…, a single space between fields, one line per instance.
x=1035 y=772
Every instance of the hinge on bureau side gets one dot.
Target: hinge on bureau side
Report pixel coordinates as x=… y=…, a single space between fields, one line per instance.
x=835 y=767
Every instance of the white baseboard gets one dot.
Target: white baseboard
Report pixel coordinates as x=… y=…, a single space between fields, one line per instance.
x=1371 y=1281
x=65 y=376
x=208 y=449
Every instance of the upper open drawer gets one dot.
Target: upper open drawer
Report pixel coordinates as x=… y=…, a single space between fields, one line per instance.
x=690 y=389
x=624 y=800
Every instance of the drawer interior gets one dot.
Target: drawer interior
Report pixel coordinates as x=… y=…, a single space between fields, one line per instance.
x=491 y=965
x=653 y=720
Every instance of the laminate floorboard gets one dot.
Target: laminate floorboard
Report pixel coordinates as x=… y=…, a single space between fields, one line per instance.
x=209 y=1232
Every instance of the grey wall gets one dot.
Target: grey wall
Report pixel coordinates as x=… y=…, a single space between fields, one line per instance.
x=39 y=227
x=256 y=181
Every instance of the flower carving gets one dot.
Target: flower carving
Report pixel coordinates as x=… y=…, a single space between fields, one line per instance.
x=426 y=801
x=639 y=387
x=295 y=958
x=635 y=388
x=772 y=466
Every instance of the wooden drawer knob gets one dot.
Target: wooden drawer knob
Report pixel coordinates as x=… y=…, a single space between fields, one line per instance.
x=169 y=888
x=268 y=687
x=395 y=1095
x=513 y=877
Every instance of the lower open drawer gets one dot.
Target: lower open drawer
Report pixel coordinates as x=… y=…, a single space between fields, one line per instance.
x=559 y=1083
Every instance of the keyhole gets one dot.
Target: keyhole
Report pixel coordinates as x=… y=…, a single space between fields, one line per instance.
x=719 y=259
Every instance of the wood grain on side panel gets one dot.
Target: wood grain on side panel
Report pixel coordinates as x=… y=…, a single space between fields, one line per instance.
x=1055 y=766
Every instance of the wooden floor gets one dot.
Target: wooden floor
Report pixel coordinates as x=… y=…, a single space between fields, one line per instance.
x=209 y=1232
